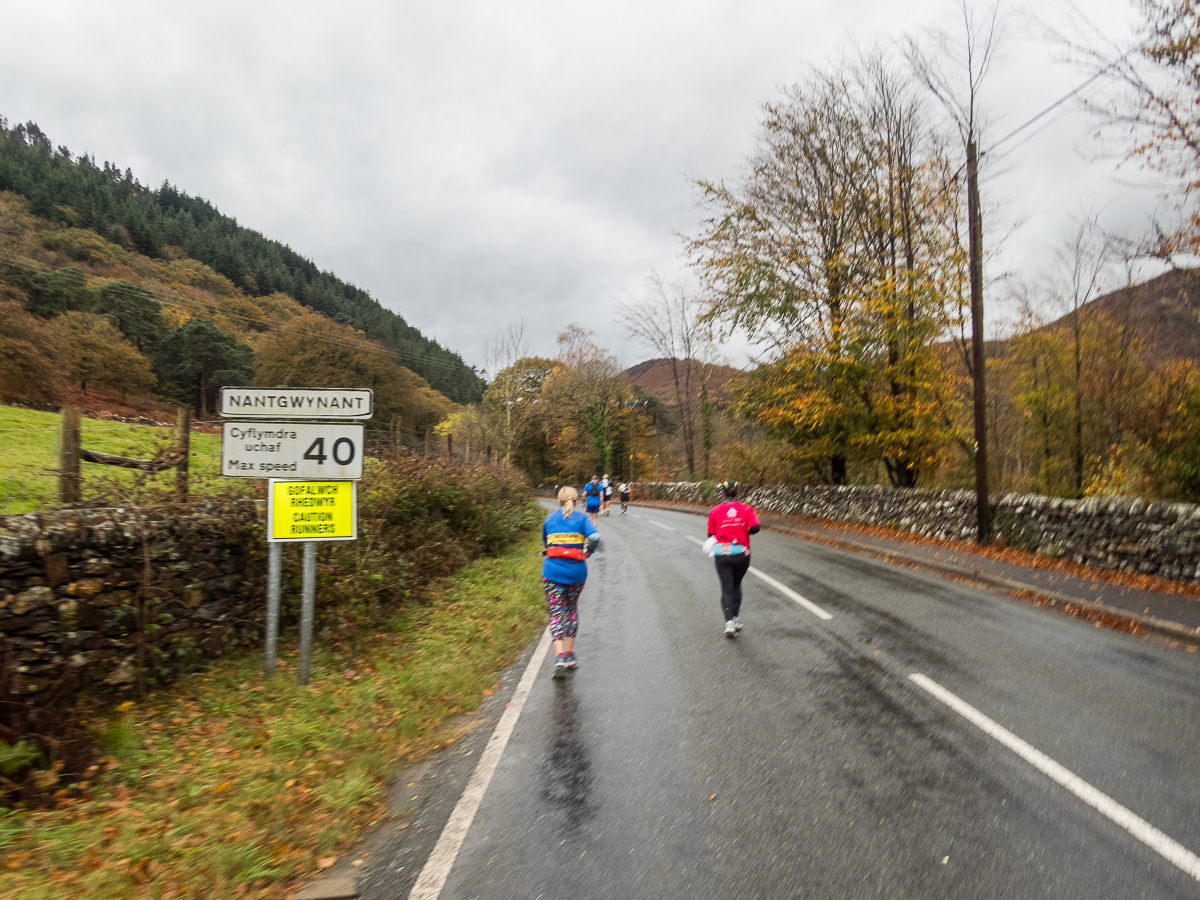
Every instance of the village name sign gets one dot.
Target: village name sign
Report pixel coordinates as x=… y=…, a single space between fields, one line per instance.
x=297 y=403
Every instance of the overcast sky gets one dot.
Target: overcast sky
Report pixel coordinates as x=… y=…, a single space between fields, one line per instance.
x=474 y=164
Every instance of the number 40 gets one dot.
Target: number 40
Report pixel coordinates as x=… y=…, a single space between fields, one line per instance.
x=343 y=451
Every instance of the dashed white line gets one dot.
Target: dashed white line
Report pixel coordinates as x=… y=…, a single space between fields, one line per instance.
x=1170 y=850
x=660 y=525
x=788 y=592
x=782 y=588
x=433 y=877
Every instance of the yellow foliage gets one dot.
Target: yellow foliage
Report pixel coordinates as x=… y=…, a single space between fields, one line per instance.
x=29 y=351
x=84 y=245
x=96 y=353
x=313 y=351
x=15 y=217
x=185 y=271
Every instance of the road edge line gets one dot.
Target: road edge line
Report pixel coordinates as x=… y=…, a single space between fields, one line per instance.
x=437 y=867
x=1166 y=847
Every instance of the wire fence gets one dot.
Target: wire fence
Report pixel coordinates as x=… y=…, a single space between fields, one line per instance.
x=30 y=456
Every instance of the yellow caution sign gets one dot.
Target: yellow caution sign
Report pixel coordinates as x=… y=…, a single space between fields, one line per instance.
x=312 y=510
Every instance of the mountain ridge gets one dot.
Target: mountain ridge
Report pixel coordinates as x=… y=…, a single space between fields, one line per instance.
x=654 y=376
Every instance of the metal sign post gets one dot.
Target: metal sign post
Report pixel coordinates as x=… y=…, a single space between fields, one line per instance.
x=310 y=511
x=323 y=509
x=274 y=577
x=307 y=611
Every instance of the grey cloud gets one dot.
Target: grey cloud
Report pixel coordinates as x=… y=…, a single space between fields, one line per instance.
x=472 y=164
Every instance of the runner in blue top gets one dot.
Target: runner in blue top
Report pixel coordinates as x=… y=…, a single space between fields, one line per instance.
x=569 y=538
x=593 y=493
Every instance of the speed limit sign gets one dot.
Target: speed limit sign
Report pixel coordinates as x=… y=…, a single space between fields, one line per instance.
x=290 y=450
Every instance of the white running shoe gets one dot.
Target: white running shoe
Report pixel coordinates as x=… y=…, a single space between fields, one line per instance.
x=731 y=629
x=737 y=622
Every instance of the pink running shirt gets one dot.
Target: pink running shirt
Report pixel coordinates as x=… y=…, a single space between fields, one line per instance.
x=731 y=521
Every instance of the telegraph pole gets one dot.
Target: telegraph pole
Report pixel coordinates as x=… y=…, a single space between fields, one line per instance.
x=978 y=365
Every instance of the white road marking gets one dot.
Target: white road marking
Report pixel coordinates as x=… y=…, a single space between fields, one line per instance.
x=788 y=592
x=433 y=877
x=1170 y=850
x=660 y=525
x=694 y=540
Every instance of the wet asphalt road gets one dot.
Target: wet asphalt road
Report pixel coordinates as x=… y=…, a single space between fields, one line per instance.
x=800 y=760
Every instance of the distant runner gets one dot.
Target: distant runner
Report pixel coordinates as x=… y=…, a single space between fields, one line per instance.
x=593 y=495
x=623 y=492
x=569 y=538
x=730 y=525
x=608 y=488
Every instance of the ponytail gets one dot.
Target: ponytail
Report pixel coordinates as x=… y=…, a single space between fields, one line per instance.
x=566 y=499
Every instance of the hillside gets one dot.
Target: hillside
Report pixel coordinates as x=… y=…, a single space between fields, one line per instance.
x=1163 y=312
x=655 y=378
x=72 y=191
x=93 y=324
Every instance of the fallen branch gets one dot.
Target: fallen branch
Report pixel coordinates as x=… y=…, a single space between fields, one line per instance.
x=153 y=466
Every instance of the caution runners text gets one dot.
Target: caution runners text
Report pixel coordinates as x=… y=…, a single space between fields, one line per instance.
x=312 y=510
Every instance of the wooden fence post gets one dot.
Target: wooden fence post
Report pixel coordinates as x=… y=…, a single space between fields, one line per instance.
x=183 y=423
x=69 y=481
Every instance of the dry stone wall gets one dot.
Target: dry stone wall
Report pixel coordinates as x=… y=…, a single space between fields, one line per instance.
x=1121 y=533
x=101 y=599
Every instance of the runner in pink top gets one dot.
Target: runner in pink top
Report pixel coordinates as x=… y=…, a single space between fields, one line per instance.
x=731 y=523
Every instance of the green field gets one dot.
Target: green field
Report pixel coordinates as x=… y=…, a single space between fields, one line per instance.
x=29 y=443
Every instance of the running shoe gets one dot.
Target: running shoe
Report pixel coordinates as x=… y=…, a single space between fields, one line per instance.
x=737 y=622
x=572 y=660
x=731 y=629
x=560 y=665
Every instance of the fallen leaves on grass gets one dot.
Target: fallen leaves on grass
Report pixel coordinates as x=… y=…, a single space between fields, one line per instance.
x=236 y=787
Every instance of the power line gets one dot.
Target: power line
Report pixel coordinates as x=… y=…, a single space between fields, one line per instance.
x=1065 y=97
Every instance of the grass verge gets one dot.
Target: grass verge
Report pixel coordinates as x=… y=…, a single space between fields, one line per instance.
x=229 y=785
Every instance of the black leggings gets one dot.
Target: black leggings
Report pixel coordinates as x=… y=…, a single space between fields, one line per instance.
x=731 y=570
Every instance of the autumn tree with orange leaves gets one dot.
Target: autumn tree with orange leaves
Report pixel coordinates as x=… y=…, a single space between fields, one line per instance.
x=839 y=252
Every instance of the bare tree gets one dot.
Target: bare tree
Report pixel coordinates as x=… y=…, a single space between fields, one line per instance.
x=1154 y=110
x=502 y=396
x=971 y=55
x=580 y=399
x=667 y=321
x=1087 y=259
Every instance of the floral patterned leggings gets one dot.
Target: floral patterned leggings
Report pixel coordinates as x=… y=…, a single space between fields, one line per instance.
x=563 y=600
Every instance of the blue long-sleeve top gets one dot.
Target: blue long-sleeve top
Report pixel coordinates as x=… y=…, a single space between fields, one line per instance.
x=566 y=531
